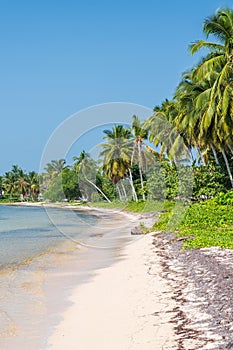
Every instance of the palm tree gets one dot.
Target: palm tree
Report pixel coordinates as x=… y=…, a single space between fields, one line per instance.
x=217 y=67
x=54 y=168
x=9 y=183
x=116 y=156
x=164 y=132
x=15 y=181
x=86 y=168
x=140 y=134
x=33 y=183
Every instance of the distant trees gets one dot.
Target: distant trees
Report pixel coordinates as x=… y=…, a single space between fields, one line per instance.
x=17 y=184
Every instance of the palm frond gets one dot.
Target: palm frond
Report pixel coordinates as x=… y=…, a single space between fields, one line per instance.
x=199 y=44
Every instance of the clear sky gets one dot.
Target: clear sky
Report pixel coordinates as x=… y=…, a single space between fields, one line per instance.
x=60 y=56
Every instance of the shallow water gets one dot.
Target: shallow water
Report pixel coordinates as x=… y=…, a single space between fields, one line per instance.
x=43 y=255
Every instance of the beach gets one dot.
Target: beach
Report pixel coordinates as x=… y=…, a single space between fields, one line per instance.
x=125 y=306
x=43 y=261
x=119 y=291
x=153 y=296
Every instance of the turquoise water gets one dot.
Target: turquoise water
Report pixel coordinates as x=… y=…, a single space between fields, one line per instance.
x=43 y=255
x=28 y=231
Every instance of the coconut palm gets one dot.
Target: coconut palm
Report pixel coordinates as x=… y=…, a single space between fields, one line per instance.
x=217 y=67
x=140 y=134
x=85 y=166
x=164 y=132
x=116 y=156
x=15 y=181
x=54 y=168
x=9 y=183
x=33 y=183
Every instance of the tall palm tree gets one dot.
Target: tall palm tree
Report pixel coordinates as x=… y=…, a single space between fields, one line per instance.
x=218 y=63
x=140 y=134
x=217 y=68
x=116 y=155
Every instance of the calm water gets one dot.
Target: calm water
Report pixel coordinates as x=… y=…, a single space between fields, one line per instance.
x=27 y=231
x=43 y=255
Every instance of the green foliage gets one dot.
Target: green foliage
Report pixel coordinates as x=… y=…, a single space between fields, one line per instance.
x=106 y=186
x=205 y=224
x=147 y=206
x=70 y=184
x=224 y=198
x=209 y=180
x=169 y=181
x=55 y=191
x=137 y=207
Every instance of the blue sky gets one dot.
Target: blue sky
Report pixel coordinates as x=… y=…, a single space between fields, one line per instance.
x=58 y=57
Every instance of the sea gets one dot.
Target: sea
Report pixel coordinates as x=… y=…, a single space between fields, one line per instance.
x=45 y=252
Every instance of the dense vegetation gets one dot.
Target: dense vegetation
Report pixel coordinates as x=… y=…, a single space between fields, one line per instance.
x=206 y=223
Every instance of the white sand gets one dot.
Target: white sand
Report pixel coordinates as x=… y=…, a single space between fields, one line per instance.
x=124 y=307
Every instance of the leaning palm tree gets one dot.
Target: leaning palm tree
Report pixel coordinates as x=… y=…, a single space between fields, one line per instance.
x=85 y=166
x=116 y=156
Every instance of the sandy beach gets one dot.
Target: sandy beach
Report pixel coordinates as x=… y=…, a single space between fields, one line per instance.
x=125 y=306
x=143 y=293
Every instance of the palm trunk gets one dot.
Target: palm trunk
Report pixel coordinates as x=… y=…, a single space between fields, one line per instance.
x=140 y=169
x=230 y=148
x=201 y=157
x=135 y=197
x=215 y=154
x=124 y=191
x=228 y=167
x=98 y=189
x=133 y=153
x=191 y=154
x=119 y=191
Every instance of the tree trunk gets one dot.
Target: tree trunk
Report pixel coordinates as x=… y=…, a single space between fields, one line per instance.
x=119 y=191
x=134 y=194
x=133 y=153
x=98 y=189
x=124 y=191
x=230 y=148
x=191 y=153
x=215 y=154
x=140 y=169
x=201 y=157
x=228 y=167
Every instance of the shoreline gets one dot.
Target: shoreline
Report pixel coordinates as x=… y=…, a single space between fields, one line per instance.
x=62 y=270
x=146 y=218
x=122 y=307
x=149 y=295
x=154 y=297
